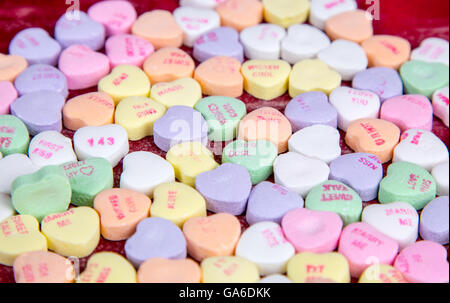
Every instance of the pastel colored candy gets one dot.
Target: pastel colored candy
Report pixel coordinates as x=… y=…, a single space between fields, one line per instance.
x=262 y=41
x=120 y=212
x=6 y=208
x=355 y=25
x=322 y=10
x=221 y=41
x=36 y=46
x=20 y=234
x=108 y=267
x=432 y=50
x=441 y=174
x=159 y=270
x=11 y=66
x=383 y=81
x=116 y=16
x=286 y=12
x=434 y=221
x=9 y=95
x=14 y=137
x=201 y=3
x=240 y=14
x=440 y=104
x=128 y=50
x=382 y=273
x=276 y=278
x=387 y=51
x=407 y=182
x=16 y=165
x=229 y=270
x=184 y=91
x=51 y=148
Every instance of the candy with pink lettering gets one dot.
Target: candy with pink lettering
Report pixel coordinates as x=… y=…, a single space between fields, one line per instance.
x=440 y=105
x=222 y=41
x=441 y=174
x=434 y=221
x=8 y=96
x=116 y=16
x=128 y=50
x=6 y=208
x=263 y=41
x=14 y=137
x=383 y=81
x=51 y=148
x=322 y=10
x=432 y=50
x=16 y=165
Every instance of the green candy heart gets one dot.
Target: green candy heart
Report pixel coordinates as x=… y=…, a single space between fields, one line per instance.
x=256 y=156
x=407 y=182
x=45 y=192
x=14 y=137
x=424 y=78
x=88 y=179
x=336 y=197
x=223 y=115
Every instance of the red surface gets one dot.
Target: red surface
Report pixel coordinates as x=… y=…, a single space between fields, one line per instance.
x=414 y=20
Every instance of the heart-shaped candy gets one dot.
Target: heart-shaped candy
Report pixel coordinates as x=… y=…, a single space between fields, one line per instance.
x=108 y=267
x=222 y=41
x=184 y=91
x=229 y=270
x=201 y=3
x=51 y=148
x=14 y=137
x=440 y=174
x=11 y=66
x=434 y=221
x=440 y=104
x=286 y=12
x=240 y=14
x=276 y=278
x=387 y=51
x=354 y=25
x=262 y=42
x=383 y=81
x=128 y=50
x=9 y=95
x=432 y=50
x=6 y=207
x=382 y=273
x=322 y=10
x=16 y=165
x=116 y=16
x=159 y=270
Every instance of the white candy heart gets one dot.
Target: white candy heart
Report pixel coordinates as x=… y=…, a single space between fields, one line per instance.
x=143 y=171
x=195 y=22
x=6 y=208
x=318 y=141
x=432 y=50
x=398 y=220
x=265 y=245
x=440 y=174
x=302 y=42
x=354 y=104
x=201 y=3
x=421 y=147
x=440 y=104
x=263 y=41
x=51 y=148
x=14 y=166
x=299 y=173
x=322 y=10
x=277 y=278
x=109 y=142
x=346 y=57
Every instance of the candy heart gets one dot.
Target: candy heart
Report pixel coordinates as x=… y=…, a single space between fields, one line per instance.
x=265 y=245
x=220 y=76
x=120 y=212
x=43 y=267
x=276 y=278
x=286 y=12
x=355 y=25
x=226 y=189
x=229 y=270
x=36 y=46
x=353 y=104
x=240 y=14
x=159 y=28
x=362 y=172
x=407 y=182
x=88 y=179
x=6 y=208
x=223 y=115
x=222 y=41
x=14 y=137
x=312 y=75
x=434 y=221
x=318 y=268
x=266 y=79
x=91 y=109
x=155 y=238
x=51 y=148
x=322 y=10
x=184 y=91
x=159 y=270
x=382 y=273
x=109 y=142
x=201 y=3
x=421 y=147
x=20 y=234
x=383 y=81
x=398 y=220
x=302 y=42
x=138 y=115
x=441 y=176
x=82 y=30
x=116 y=16
x=108 y=267
x=299 y=173
x=440 y=105
x=9 y=95
x=178 y=203
x=432 y=50
x=423 y=262
x=318 y=141
x=387 y=51
x=11 y=66
x=16 y=165
x=374 y=136
x=424 y=78
x=262 y=42
x=128 y=50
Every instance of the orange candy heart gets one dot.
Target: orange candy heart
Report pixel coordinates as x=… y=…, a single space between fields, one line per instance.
x=11 y=66
x=159 y=270
x=240 y=14
x=387 y=51
x=355 y=26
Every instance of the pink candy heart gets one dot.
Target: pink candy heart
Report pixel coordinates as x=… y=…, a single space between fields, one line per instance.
x=128 y=49
x=117 y=16
x=7 y=96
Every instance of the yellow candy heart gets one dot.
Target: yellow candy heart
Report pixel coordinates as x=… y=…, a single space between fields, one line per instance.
x=108 y=267
x=319 y=268
x=18 y=235
x=382 y=273
x=286 y=12
x=185 y=91
x=229 y=270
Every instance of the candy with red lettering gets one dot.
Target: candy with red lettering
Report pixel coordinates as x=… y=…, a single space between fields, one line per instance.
x=51 y=148
x=441 y=174
x=229 y=269
x=383 y=81
x=381 y=273
x=6 y=208
x=108 y=267
x=128 y=50
x=263 y=41
x=9 y=95
x=116 y=16
x=14 y=137
x=184 y=91
x=16 y=165
x=387 y=51
x=322 y=10
x=440 y=105
x=434 y=221
x=222 y=41
x=432 y=50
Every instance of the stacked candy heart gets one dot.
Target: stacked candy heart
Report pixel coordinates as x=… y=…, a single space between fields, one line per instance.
x=176 y=212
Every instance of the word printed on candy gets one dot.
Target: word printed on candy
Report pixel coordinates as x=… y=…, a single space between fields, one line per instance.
x=322 y=10
x=229 y=270
x=387 y=51
x=262 y=42
x=441 y=105
x=432 y=50
x=312 y=231
x=362 y=172
x=51 y=148
x=240 y=14
x=20 y=234
x=434 y=221
x=215 y=235
x=398 y=220
x=120 y=211
x=84 y=30
x=43 y=267
x=128 y=50
x=6 y=208
x=41 y=77
x=11 y=66
x=88 y=179
x=201 y=3
x=423 y=262
x=441 y=174
x=155 y=238
x=226 y=189
x=309 y=267
x=159 y=28
x=116 y=16
x=265 y=245
x=382 y=273
x=109 y=142
x=355 y=25
x=302 y=42
x=16 y=165
x=159 y=270
x=276 y=278
x=178 y=203
x=82 y=66
x=9 y=95
x=108 y=267
x=14 y=137
x=373 y=136
x=36 y=46
x=222 y=41
x=184 y=91
x=286 y=12
x=299 y=173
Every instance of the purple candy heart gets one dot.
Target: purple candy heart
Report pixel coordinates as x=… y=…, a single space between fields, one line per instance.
x=222 y=41
x=226 y=189
x=180 y=124
x=362 y=172
x=35 y=45
x=309 y=109
x=40 y=111
x=41 y=77
x=270 y=202
x=155 y=238
x=434 y=221
x=383 y=81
